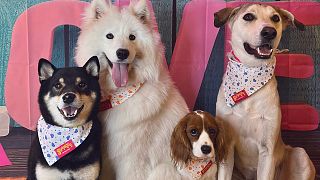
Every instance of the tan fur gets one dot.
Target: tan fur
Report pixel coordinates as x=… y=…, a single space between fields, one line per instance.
x=256 y=149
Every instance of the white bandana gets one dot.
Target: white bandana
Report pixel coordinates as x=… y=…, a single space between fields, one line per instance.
x=119 y=96
x=57 y=142
x=198 y=167
x=241 y=81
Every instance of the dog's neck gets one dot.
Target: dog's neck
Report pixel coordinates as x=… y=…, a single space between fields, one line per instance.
x=56 y=141
x=119 y=96
x=197 y=167
x=241 y=81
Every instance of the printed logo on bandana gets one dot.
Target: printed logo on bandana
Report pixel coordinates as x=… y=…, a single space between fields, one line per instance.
x=239 y=96
x=241 y=81
x=57 y=142
x=65 y=149
x=197 y=168
x=205 y=169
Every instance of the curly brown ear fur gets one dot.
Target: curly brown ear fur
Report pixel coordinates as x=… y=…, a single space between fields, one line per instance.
x=180 y=143
x=221 y=142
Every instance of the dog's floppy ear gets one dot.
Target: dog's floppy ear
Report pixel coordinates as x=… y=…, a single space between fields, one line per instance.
x=180 y=145
x=221 y=142
x=224 y=15
x=288 y=19
x=45 y=69
x=140 y=9
x=92 y=66
x=97 y=9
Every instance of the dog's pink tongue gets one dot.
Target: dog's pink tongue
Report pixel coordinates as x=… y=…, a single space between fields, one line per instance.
x=69 y=110
x=120 y=74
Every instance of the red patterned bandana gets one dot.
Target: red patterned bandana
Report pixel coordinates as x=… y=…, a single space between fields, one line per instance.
x=119 y=96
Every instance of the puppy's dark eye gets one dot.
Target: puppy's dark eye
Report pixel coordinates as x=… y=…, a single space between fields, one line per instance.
x=248 y=17
x=194 y=132
x=58 y=86
x=82 y=85
x=275 y=18
x=212 y=131
x=110 y=36
x=132 y=37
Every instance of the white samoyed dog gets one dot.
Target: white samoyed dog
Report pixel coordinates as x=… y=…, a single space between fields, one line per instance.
x=136 y=133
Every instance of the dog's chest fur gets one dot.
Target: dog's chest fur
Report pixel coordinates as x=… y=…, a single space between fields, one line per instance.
x=252 y=120
x=138 y=131
x=90 y=171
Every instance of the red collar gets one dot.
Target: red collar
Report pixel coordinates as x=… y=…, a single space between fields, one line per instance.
x=105 y=105
x=235 y=57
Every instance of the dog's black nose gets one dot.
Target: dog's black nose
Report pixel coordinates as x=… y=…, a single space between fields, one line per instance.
x=68 y=98
x=122 y=54
x=269 y=33
x=205 y=149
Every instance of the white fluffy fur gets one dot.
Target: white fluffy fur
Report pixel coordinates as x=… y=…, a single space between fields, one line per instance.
x=85 y=173
x=257 y=149
x=136 y=134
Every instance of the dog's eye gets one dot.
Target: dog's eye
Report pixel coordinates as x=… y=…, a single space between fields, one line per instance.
x=212 y=131
x=58 y=86
x=194 y=132
x=275 y=18
x=248 y=17
x=110 y=36
x=132 y=37
x=82 y=85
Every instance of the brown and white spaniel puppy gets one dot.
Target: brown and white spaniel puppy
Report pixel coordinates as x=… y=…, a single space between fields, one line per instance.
x=198 y=144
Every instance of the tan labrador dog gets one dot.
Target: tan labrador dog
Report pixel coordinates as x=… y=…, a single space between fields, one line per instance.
x=248 y=100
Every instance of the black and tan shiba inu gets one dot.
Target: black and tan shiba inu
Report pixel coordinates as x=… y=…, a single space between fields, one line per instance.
x=67 y=145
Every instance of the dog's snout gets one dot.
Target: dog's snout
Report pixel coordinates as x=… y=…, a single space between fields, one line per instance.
x=269 y=33
x=68 y=98
x=122 y=54
x=205 y=149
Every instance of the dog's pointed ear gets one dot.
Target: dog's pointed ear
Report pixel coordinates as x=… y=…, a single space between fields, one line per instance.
x=92 y=66
x=140 y=10
x=289 y=19
x=224 y=15
x=180 y=144
x=45 y=69
x=97 y=9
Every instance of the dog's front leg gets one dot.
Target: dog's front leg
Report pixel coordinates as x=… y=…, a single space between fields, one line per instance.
x=266 y=164
x=225 y=168
x=269 y=140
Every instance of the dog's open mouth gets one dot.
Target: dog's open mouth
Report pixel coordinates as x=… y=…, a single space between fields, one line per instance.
x=70 y=112
x=119 y=73
x=262 y=52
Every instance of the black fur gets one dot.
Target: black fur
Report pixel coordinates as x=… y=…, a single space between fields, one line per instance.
x=75 y=159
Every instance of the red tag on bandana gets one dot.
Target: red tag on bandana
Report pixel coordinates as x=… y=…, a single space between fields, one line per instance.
x=239 y=96
x=65 y=149
x=206 y=168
